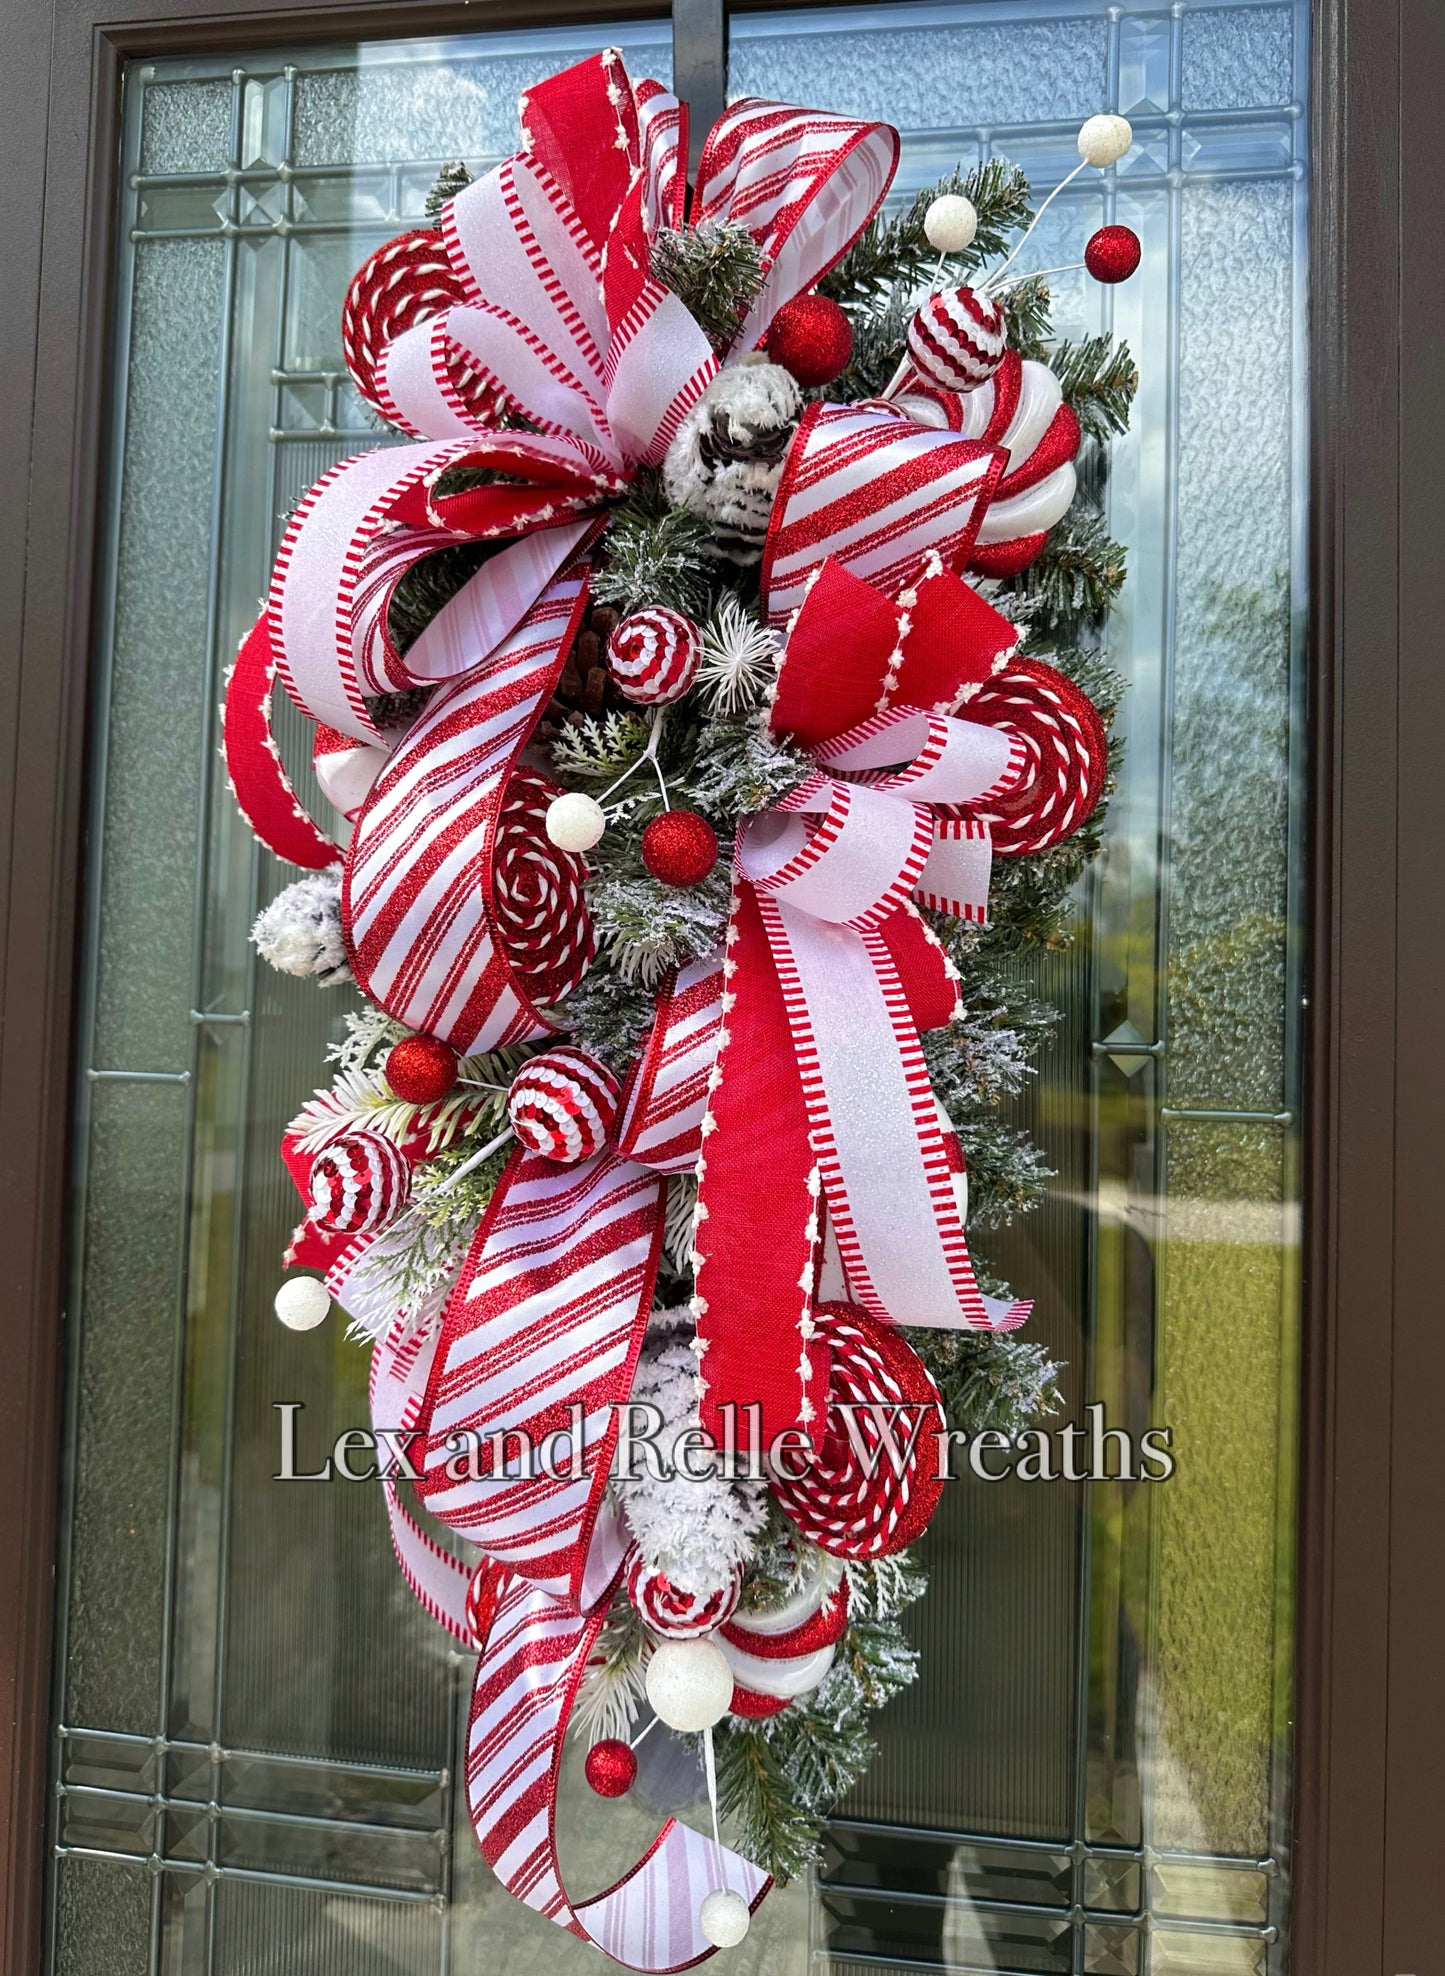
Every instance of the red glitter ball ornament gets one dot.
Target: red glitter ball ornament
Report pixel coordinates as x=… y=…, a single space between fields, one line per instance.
x=611 y=1768
x=811 y=337
x=421 y=1069
x=1112 y=253
x=679 y=847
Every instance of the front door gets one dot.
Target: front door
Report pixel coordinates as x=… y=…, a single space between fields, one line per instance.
x=256 y=1736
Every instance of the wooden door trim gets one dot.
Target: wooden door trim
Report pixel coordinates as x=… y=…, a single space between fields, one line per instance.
x=1371 y=1737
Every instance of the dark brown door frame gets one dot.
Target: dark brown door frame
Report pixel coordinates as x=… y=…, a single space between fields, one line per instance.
x=1371 y=1731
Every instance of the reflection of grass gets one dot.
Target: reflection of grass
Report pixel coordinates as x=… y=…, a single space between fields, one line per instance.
x=1220 y=1374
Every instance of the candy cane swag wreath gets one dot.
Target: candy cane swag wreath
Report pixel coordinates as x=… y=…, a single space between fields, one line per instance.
x=529 y=338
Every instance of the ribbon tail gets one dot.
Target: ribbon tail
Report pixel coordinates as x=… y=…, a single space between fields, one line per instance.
x=527 y=1680
x=874 y=1122
x=262 y=788
x=540 y=1337
x=400 y=1367
x=757 y=1238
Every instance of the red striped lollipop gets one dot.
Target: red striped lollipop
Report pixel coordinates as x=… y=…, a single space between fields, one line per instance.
x=407 y=281
x=537 y=897
x=654 y=656
x=562 y=1104
x=1068 y=746
x=845 y=1504
x=957 y=339
x=359 y=1182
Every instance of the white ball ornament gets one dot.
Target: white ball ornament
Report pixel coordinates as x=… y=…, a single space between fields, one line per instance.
x=302 y=1303
x=951 y=223
x=689 y=1684
x=574 y=821
x=1104 y=140
x=724 y=1918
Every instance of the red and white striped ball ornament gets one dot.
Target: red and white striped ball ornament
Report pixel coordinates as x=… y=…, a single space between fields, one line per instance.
x=855 y=1500
x=359 y=1183
x=654 y=656
x=563 y=1104
x=957 y=339
x=678 y=1615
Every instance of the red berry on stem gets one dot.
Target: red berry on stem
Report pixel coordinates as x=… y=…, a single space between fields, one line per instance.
x=421 y=1069
x=1112 y=253
x=679 y=847
x=811 y=337
x=611 y=1768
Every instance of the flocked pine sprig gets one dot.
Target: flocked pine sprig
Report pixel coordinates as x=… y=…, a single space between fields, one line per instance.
x=740 y=768
x=609 y=1016
x=894 y=252
x=361 y=1098
x=766 y=1817
x=646 y=927
x=444 y=1196
x=452 y=178
x=990 y=1380
x=611 y=1688
x=1076 y=577
x=656 y=554
x=1098 y=378
x=714 y=269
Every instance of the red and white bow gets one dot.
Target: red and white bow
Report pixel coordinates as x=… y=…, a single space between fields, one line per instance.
x=820 y=1087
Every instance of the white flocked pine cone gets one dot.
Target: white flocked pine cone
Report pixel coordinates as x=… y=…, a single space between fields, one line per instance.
x=695 y=1532
x=300 y=931
x=726 y=458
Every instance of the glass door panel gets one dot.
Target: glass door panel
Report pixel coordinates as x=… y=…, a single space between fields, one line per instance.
x=256 y=1725
x=1098 y=1744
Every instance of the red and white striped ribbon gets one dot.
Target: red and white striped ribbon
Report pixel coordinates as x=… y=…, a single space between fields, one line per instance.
x=548 y=1313
x=663 y=1106
x=886 y=498
x=527 y=1679
x=419 y=898
x=803 y=182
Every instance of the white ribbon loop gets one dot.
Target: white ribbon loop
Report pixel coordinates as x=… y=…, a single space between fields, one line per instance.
x=853 y=867
x=945 y=759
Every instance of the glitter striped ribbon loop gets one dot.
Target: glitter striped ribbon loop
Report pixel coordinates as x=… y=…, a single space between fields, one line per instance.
x=462 y=919
x=526 y=1683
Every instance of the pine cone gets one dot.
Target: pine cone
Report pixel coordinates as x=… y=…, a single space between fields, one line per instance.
x=727 y=458
x=586 y=687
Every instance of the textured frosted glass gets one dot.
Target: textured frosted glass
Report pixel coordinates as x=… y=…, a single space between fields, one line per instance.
x=282 y=1931
x=1223 y=1292
x=103 y=1918
x=1231 y=792
x=924 y=78
x=187 y=127
x=158 y=687
x=394 y=111
x=122 y=1430
x=1237 y=58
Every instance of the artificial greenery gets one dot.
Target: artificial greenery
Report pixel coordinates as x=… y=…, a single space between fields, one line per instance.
x=780 y=1777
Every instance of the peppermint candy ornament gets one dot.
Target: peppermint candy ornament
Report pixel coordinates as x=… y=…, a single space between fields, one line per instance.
x=1068 y=749
x=654 y=656
x=780 y=1654
x=407 y=281
x=678 y=1615
x=537 y=892
x=957 y=339
x=562 y=1104
x=849 y=1505
x=359 y=1183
